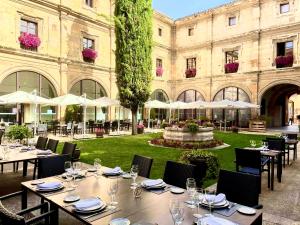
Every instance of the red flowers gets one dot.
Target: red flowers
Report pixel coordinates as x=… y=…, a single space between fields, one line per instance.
x=159 y=71
x=284 y=61
x=190 y=72
x=231 y=67
x=29 y=40
x=89 y=53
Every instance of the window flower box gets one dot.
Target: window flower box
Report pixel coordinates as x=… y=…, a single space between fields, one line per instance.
x=29 y=41
x=159 y=71
x=284 y=61
x=190 y=73
x=231 y=67
x=89 y=55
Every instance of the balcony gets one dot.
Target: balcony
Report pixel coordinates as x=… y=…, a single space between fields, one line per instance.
x=284 y=61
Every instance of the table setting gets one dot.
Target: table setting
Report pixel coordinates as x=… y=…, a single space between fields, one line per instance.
x=49 y=186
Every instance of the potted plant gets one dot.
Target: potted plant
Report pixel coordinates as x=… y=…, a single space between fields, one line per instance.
x=99 y=133
x=159 y=71
x=192 y=127
x=231 y=67
x=29 y=41
x=284 y=61
x=140 y=129
x=89 y=54
x=234 y=129
x=19 y=132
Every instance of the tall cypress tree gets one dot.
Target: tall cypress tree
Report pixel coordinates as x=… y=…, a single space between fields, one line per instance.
x=133 y=28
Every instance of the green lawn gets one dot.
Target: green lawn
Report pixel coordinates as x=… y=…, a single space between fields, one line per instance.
x=120 y=150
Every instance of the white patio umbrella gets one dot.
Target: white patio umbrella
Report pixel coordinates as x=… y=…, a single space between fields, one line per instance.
x=155 y=104
x=178 y=105
x=107 y=102
x=22 y=97
x=70 y=99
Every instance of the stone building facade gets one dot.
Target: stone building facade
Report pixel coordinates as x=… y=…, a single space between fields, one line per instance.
x=252 y=36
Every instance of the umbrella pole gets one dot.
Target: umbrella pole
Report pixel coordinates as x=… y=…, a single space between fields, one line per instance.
x=170 y=112
x=119 y=119
x=35 y=111
x=149 y=118
x=225 y=121
x=84 y=121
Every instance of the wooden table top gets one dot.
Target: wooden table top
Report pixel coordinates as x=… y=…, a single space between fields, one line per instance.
x=151 y=207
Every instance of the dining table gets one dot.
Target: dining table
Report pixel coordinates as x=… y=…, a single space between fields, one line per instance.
x=148 y=208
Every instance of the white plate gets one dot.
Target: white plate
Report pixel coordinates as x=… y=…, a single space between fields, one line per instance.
x=126 y=176
x=93 y=209
x=222 y=204
x=71 y=198
x=92 y=170
x=246 y=210
x=119 y=221
x=48 y=190
x=176 y=190
x=36 y=182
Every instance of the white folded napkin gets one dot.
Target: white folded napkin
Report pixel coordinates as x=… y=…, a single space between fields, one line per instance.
x=49 y=185
x=219 y=198
x=213 y=220
x=115 y=170
x=150 y=183
x=44 y=152
x=87 y=203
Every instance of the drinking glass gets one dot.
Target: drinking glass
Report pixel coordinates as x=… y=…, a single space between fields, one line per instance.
x=97 y=166
x=76 y=167
x=198 y=198
x=6 y=152
x=252 y=143
x=134 y=173
x=112 y=191
x=69 y=174
x=209 y=197
x=191 y=189
x=177 y=211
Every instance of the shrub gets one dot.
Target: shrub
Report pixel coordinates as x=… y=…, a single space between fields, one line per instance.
x=193 y=127
x=212 y=161
x=19 y=132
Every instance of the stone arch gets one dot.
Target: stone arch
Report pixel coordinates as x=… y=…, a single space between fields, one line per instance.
x=162 y=90
x=244 y=88
x=191 y=88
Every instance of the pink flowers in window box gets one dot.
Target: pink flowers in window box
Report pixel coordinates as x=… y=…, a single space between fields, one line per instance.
x=231 y=67
x=29 y=41
x=159 y=71
x=89 y=54
x=190 y=72
x=284 y=61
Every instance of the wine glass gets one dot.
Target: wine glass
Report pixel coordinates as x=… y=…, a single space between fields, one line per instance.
x=69 y=172
x=6 y=152
x=209 y=197
x=177 y=211
x=112 y=191
x=253 y=143
x=134 y=173
x=97 y=166
x=191 y=189
x=77 y=167
x=198 y=198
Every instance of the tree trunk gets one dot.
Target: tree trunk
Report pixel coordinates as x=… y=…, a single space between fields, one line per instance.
x=134 y=121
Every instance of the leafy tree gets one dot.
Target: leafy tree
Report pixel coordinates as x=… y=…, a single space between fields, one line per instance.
x=133 y=28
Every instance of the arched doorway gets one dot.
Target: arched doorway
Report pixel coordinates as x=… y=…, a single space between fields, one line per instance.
x=239 y=117
x=162 y=96
x=277 y=105
x=93 y=90
x=27 y=81
x=191 y=96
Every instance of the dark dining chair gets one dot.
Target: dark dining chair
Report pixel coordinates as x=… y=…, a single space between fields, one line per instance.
x=293 y=147
x=76 y=155
x=8 y=217
x=144 y=165
x=52 y=165
x=251 y=162
x=52 y=145
x=41 y=143
x=279 y=145
x=68 y=149
x=177 y=173
x=240 y=188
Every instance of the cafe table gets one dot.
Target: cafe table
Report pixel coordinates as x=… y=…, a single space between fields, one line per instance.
x=272 y=155
x=150 y=207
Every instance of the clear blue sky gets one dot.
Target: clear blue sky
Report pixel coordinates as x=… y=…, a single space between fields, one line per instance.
x=180 y=8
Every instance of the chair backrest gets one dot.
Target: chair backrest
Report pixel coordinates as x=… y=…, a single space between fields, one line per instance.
x=1 y=135
x=69 y=149
x=292 y=136
x=276 y=144
x=52 y=145
x=80 y=125
x=8 y=218
x=52 y=165
x=144 y=165
x=238 y=187
x=247 y=158
x=177 y=173
x=41 y=143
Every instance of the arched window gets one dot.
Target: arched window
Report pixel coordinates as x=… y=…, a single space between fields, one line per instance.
x=239 y=117
x=93 y=90
x=27 y=81
x=191 y=96
x=162 y=96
